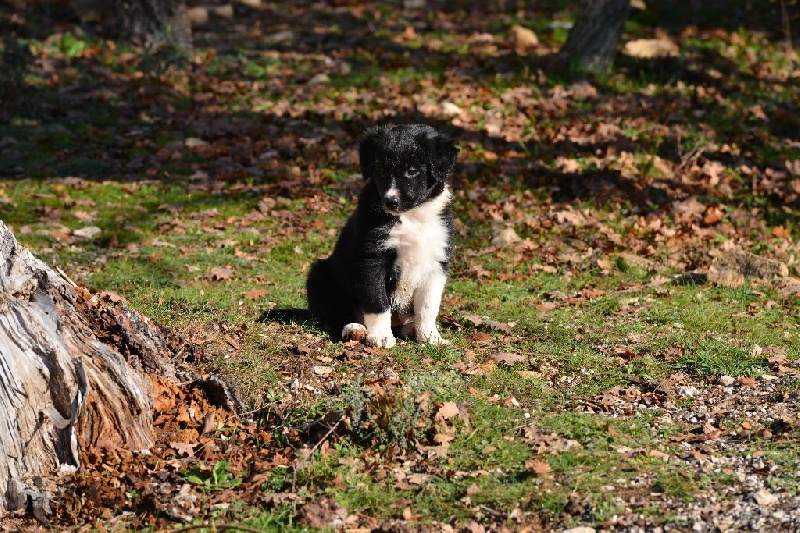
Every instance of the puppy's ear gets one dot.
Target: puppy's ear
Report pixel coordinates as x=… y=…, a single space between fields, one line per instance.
x=443 y=157
x=368 y=151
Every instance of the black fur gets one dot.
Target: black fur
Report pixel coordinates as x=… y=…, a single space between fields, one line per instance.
x=360 y=275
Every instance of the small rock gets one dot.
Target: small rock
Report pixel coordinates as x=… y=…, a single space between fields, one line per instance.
x=727 y=381
x=451 y=109
x=523 y=37
x=197 y=15
x=769 y=377
x=319 y=79
x=730 y=269
x=581 y=529
x=688 y=391
x=322 y=370
x=505 y=237
x=224 y=11
x=764 y=497
x=194 y=142
x=280 y=37
x=650 y=48
x=89 y=232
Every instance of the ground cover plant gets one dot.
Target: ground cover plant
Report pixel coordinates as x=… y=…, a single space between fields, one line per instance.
x=623 y=305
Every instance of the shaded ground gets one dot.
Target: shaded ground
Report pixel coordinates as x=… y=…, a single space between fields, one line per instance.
x=595 y=377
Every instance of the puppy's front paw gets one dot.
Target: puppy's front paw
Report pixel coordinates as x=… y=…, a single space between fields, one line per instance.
x=432 y=337
x=380 y=341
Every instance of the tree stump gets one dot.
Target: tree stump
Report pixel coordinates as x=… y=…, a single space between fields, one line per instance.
x=592 y=41
x=73 y=372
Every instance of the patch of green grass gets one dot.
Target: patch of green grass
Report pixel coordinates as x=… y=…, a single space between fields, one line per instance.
x=212 y=479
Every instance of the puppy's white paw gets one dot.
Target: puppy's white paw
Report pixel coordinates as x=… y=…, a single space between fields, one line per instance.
x=432 y=337
x=380 y=341
x=354 y=332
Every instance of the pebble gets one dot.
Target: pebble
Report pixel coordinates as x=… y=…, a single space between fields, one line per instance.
x=322 y=370
x=451 y=109
x=727 y=381
x=319 y=79
x=89 y=232
x=764 y=497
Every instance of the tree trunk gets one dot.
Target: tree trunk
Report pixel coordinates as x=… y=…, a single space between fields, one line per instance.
x=592 y=41
x=142 y=22
x=73 y=373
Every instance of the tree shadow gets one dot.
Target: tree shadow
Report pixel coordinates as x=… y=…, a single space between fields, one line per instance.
x=286 y=316
x=103 y=124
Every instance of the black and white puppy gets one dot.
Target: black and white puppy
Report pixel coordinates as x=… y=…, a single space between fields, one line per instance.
x=392 y=256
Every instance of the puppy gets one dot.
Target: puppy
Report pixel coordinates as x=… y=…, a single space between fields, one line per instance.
x=392 y=256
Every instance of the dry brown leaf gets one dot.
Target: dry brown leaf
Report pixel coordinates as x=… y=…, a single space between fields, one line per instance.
x=254 y=294
x=220 y=274
x=535 y=466
x=447 y=411
x=509 y=359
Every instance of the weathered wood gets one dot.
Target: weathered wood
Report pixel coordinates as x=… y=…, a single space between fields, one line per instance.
x=73 y=372
x=592 y=41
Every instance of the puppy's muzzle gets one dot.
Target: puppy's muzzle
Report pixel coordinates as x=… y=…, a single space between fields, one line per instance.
x=391 y=203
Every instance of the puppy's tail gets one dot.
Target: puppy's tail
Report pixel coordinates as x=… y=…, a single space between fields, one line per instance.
x=326 y=303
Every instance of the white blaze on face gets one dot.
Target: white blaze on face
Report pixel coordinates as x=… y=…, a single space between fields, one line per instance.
x=393 y=194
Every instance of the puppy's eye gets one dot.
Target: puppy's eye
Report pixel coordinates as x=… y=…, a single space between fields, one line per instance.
x=412 y=172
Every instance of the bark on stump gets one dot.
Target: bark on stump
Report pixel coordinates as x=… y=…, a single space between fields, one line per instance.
x=73 y=373
x=592 y=41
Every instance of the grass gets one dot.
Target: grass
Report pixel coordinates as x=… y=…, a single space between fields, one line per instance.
x=581 y=301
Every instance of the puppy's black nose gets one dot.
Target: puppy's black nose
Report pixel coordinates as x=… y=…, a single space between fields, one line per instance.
x=391 y=203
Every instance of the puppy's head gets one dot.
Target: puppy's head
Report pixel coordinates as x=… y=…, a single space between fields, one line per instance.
x=408 y=163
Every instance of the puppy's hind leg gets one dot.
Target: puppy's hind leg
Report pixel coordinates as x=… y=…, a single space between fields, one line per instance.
x=427 y=299
x=354 y=332
x=327 y=302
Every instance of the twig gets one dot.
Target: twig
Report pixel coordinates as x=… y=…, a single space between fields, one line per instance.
x=493 y=512
x=297 y=464
x=690 y=158
x=212 y=527
x=69 y=280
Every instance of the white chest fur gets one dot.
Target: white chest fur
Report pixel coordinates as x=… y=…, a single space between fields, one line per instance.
x=420 y=239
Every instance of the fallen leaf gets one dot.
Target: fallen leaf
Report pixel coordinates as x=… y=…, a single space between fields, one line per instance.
x=220 y=274
x=504 y=237
x=712 y=216
x=255 y=294
x=650 y=48
x=509 y=359
x=535 y=466
x=447 y=411
x=323 y=370
x=781 y=232
x=209 y=424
